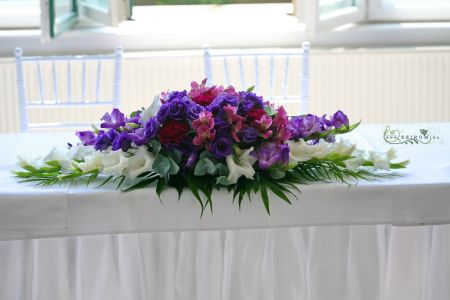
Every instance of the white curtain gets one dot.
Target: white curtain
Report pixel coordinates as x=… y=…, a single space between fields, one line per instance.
x=370 y=262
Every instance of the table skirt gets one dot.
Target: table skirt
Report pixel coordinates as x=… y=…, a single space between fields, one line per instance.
x=367 y=262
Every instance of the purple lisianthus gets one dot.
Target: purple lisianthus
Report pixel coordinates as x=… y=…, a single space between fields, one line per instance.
x=104 y=139
x=87 y=138
x=223 y=99
x=222 y=127
x=270 y=154
x=177 y=109
x=222 y=147
x=249 y=100
x=174 y=95
x=134 y=119
x=248 y=135
x=340 y=119
x=304 y=126
x=194 y=111
x=122 y=141
x=142 y=136
x=114 y=120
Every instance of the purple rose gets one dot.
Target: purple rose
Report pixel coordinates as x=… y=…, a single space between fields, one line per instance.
x=270 y=154
x=340 y=119
x=221 y=126
x=176 y=109
x=87 y=138
x=122 y=141
x=304 y=126
x=104 y=139
x=114 y=120
x=248 y=135
x=222 y=147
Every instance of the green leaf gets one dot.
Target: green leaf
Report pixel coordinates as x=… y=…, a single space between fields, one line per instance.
x=193 y=186
x=207 y=154
x=265 y=197
x=222 y=180
x=161 y=186
x=105 y=181
x=276 y=174
x=156 y=146
x=161 y=165
x=250 y=89
x=204 y=166
x=175 y=155
x=174 y=168
x=269 y=110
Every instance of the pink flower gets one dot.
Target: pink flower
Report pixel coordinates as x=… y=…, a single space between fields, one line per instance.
x=263 y=126
x=203 y=95
x=205 y=118
x=234 y=119
x=280 y=122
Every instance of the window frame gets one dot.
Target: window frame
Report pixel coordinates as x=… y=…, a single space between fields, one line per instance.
x=316 y=22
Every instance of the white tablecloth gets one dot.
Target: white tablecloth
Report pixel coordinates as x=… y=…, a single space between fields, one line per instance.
x=353 y=262
x=419 y=196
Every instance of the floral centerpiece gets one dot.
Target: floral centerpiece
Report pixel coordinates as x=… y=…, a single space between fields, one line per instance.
x=212 y=138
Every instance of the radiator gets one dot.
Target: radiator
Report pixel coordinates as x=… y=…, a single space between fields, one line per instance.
x=375 y=86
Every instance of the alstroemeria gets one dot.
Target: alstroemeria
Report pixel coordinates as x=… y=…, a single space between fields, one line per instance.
x=240 y=165
x=140 y=162
x=234 y=120
x=205 y=118
x=263 y=126
x=204 y=136
x=114 y=120
x=203 y=95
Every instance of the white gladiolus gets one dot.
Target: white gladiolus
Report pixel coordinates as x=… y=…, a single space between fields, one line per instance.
x=344 y=147
x=301 y=151
x=152 y=110
x=24 y=162
x=63 y=158
x=79 y=151
x=140 y=162
x=381 y=161
x=356 y=162
x=115 y=162
x=93 y=161
x=240 y=166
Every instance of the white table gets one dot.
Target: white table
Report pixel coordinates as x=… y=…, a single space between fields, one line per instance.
x=179 y=256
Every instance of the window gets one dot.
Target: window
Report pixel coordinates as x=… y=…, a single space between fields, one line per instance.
x=19 y=14
x=409 y=10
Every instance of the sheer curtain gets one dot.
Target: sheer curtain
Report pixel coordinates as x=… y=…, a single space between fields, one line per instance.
x=369 y=262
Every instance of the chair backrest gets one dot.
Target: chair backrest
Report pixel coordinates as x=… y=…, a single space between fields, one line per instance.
x=50 y=82
x=280 y=76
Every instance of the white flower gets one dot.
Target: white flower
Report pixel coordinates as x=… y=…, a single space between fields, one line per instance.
x=240 y=166
x=354 y=163
x=140 y=162
x=301 y=151
x=115 y=162
x=25 y=162
x=93 y=161
x=380 y=160
x=152 y=110
x=343 y=148
x=79 y=151
x=63 y=158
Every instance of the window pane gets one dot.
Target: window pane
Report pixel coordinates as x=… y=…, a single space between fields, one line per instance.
x=327 y=6
x=416 y=3
x=63 y=7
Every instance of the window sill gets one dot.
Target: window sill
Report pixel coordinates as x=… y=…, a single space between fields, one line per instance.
x=189 y=27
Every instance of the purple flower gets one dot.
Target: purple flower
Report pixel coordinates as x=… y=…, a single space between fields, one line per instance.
x=142 y=136
x=223 y=99
x=87 y=138
x=122 y=141
x=248 y=134
x=114 y=120
x=194 y=111
x=270 y=154
x=135 y=119
x=222 y=147
x=304 y=126
x=249 y=100
x=104 y=139
x=192 y=159
x=174 y=95
x=177 y=109
x=340 y=119
x=222 y=127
